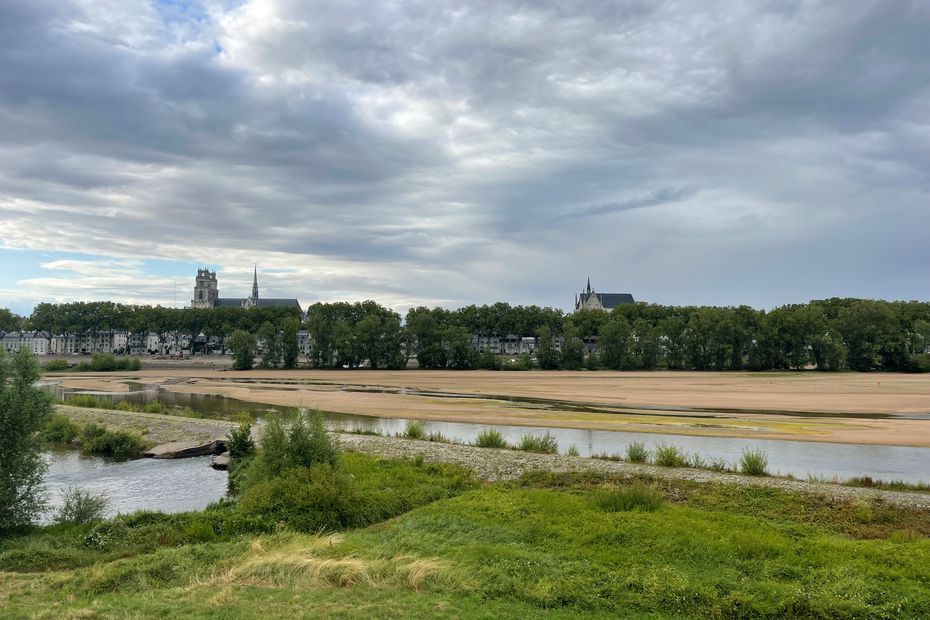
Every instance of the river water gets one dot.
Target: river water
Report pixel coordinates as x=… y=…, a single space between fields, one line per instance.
x=797 y=458
x=166 y=485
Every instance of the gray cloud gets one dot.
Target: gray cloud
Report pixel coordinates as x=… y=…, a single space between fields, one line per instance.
x=433 y=152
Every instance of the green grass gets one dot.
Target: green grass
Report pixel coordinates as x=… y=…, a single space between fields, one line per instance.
x=754 y=463
x=670 y=456
x=624 y=499
x=490 y=438
x=414 y=430
x=543 y=444
x=550 y=545
x=636 y=452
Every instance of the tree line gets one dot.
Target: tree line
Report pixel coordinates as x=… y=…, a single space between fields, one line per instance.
x=832 y=334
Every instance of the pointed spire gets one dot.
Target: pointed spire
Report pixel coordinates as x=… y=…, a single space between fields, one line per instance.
x=589 y=284
x=255 y=282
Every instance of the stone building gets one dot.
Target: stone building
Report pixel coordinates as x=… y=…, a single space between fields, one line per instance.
x=207 y=294
x=591 y=300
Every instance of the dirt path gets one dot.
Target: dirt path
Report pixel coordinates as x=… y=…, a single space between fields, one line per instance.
x=489 y=464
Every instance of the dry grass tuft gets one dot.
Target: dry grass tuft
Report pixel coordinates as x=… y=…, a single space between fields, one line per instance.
x=295 y=560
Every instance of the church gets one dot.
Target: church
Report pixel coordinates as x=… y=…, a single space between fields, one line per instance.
x=207 y=294
x=590 y=300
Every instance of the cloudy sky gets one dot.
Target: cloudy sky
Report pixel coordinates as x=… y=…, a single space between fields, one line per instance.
x=438 y=152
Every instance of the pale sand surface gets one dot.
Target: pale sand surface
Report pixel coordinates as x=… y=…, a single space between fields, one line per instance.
x=759 y=400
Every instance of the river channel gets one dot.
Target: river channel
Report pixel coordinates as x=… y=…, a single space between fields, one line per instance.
x=797 y=458
x=166 y=485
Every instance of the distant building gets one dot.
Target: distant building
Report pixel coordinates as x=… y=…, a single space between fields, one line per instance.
x=37 y=342
x=207 y=294
x=591 y=300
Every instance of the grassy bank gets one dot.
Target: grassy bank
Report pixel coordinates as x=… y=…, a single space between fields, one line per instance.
x=549 y=545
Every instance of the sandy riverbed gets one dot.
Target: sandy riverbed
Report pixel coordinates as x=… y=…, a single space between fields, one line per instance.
x=756 y=405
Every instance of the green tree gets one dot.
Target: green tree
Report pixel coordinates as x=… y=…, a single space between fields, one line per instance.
x=270 y=339
x=572 y=350
x=24 y=409
x=290 y=347
x=546 y=354
x=614 y=342
x=242 y=344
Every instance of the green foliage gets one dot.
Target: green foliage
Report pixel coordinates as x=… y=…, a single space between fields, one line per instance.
x=489 y=361
x=239 y=441
x=271 y=345
x=414 y=430
x=593 y=362
x=636 y=452
x=118 y=444
x=303 y=443
x=55 y=365
x=545 y=444
x=60 y=429
x=24 y=411
x=290 y=347
x=242 y=345
x=670 y=456
x=754 y=463
x=80 y=507
x=546 y=353
x=572 y=451
x=490 y=438
x=107 y=362
x=639 y=497
x=572 y=350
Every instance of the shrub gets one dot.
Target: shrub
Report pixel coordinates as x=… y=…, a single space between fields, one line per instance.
x=239 y=441
x=60 y=429
x=437 y=437
x=55 y=365
x=638 y=497
x=81 y=507
x=754 y=463
x=303 y=444
x=414 y=430
x=545 y=444
x=118 y=444
x=605 y=456
x=636 y=452
x=670 y=456
x=154 y=407
x=572 y=451
x=490 y=438
x=489 y=361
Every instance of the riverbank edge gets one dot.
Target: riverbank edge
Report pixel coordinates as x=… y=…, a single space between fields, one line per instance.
x=489 y=464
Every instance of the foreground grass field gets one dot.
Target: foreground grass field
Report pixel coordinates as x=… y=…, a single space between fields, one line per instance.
x=569 y=545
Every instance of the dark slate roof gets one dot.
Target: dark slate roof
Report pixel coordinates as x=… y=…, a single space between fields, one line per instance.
x=227 y=302
x=610 y=300
x=236 y=302
x=264 y=303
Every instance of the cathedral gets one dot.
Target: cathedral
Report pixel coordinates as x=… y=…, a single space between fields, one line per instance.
x=207 y=294
x=590 y=300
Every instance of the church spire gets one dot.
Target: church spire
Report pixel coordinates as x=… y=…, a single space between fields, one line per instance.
x=255 y=282
x=589 y=285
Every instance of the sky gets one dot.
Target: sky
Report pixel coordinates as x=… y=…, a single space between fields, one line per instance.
x=448 y=153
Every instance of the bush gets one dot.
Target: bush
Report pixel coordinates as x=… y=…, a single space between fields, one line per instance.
x=572 y=451
x=414 y=430
x=118 y=444
x=437 y=437
x=670 y=456
x=239 y=441
x=489 y=361
x=545 y=444
x=490 y=438
x=24 y=410
x=55 y=365
x=81 y=507
x=636 y=452
x=303 y=444
x=638 y=497
x=754 y=463
x=60 y=429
